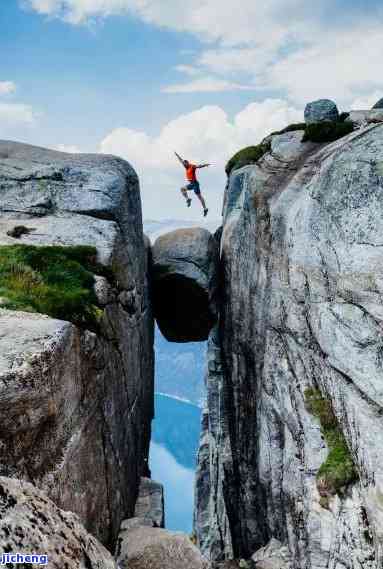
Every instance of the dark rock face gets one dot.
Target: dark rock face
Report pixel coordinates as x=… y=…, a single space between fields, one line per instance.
x=184 y=268
x=77 y=406
x=30 y=523
x=301 y=265
x=321 y=110
x=150 y=502
x=379 y=104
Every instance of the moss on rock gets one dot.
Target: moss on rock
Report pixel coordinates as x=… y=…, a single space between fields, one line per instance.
x=338 y=470
x=248 y=155
x=290 y=128
x=53 y=280
x=327 y=131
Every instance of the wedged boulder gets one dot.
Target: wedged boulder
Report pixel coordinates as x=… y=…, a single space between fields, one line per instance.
x=150 y=502
x=145 y=547
x=76 y=405
x=30 y=523
x=184 y=270
x=321 y=110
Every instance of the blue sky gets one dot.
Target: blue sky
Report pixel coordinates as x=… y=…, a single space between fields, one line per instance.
x=140 y=79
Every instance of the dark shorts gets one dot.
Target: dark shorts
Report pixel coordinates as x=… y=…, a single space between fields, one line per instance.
x=194 y=186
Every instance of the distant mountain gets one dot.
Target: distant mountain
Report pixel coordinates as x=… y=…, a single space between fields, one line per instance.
x=154 y=228
x=173 y=452
x=180 y=369
x=176 y=427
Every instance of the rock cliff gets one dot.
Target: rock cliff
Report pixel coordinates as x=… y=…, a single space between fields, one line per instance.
x=292 y=431
x=77 y=402
x=32 y=524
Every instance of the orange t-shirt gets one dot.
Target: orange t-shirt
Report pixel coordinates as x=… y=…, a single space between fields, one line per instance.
x=190 y=173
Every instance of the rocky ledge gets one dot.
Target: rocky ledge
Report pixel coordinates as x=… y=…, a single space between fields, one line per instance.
x=32 y=524
x=76 y=399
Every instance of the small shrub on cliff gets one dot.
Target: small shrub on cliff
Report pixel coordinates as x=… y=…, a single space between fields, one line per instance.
x=290 y=128
x=56 y=281
x=327 y=131
x=338 y=470
x=248 y=155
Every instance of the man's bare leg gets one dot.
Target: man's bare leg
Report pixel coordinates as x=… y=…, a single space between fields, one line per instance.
x=199 y=196
x=201 y=199
x=185 y=195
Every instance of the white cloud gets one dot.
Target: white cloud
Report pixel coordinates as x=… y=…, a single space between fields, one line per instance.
x=209 y=19
x=300 y=49
x=7 y=87
x=367 y=101
x=206 y=134
x=188 y=70
x=207 y=85
x=342 y=67
x=13 y=114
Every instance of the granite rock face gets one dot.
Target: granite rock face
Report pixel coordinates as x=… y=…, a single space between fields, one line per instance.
x=150 y=502
x=77 y=406
x=321 y=110
x=273 y=556
x=30 y=523
x=146 y=547
x=214 y=461
x=301 y=259
x=184 y=267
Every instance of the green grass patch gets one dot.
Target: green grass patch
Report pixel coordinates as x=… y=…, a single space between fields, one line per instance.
x=338 y=470
x=248 y=155
x=327 y=131
x=57 y=281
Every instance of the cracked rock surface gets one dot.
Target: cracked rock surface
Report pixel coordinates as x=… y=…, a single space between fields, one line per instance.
x=76 y=406
x=144 y=547
x=302 y=279
x=30 y=523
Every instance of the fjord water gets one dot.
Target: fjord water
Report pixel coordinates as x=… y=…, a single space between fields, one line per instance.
x=173 y=454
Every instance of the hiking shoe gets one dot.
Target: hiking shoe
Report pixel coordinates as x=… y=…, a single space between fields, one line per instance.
x=188 y=201
x=205 y=212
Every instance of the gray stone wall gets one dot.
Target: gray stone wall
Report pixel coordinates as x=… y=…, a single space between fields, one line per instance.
x=77 y=406
x=301 y=272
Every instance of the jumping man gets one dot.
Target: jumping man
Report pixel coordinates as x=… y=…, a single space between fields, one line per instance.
x=193 y=182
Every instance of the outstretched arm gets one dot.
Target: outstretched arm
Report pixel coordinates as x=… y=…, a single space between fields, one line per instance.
x=179 y=158
x=203 y=165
